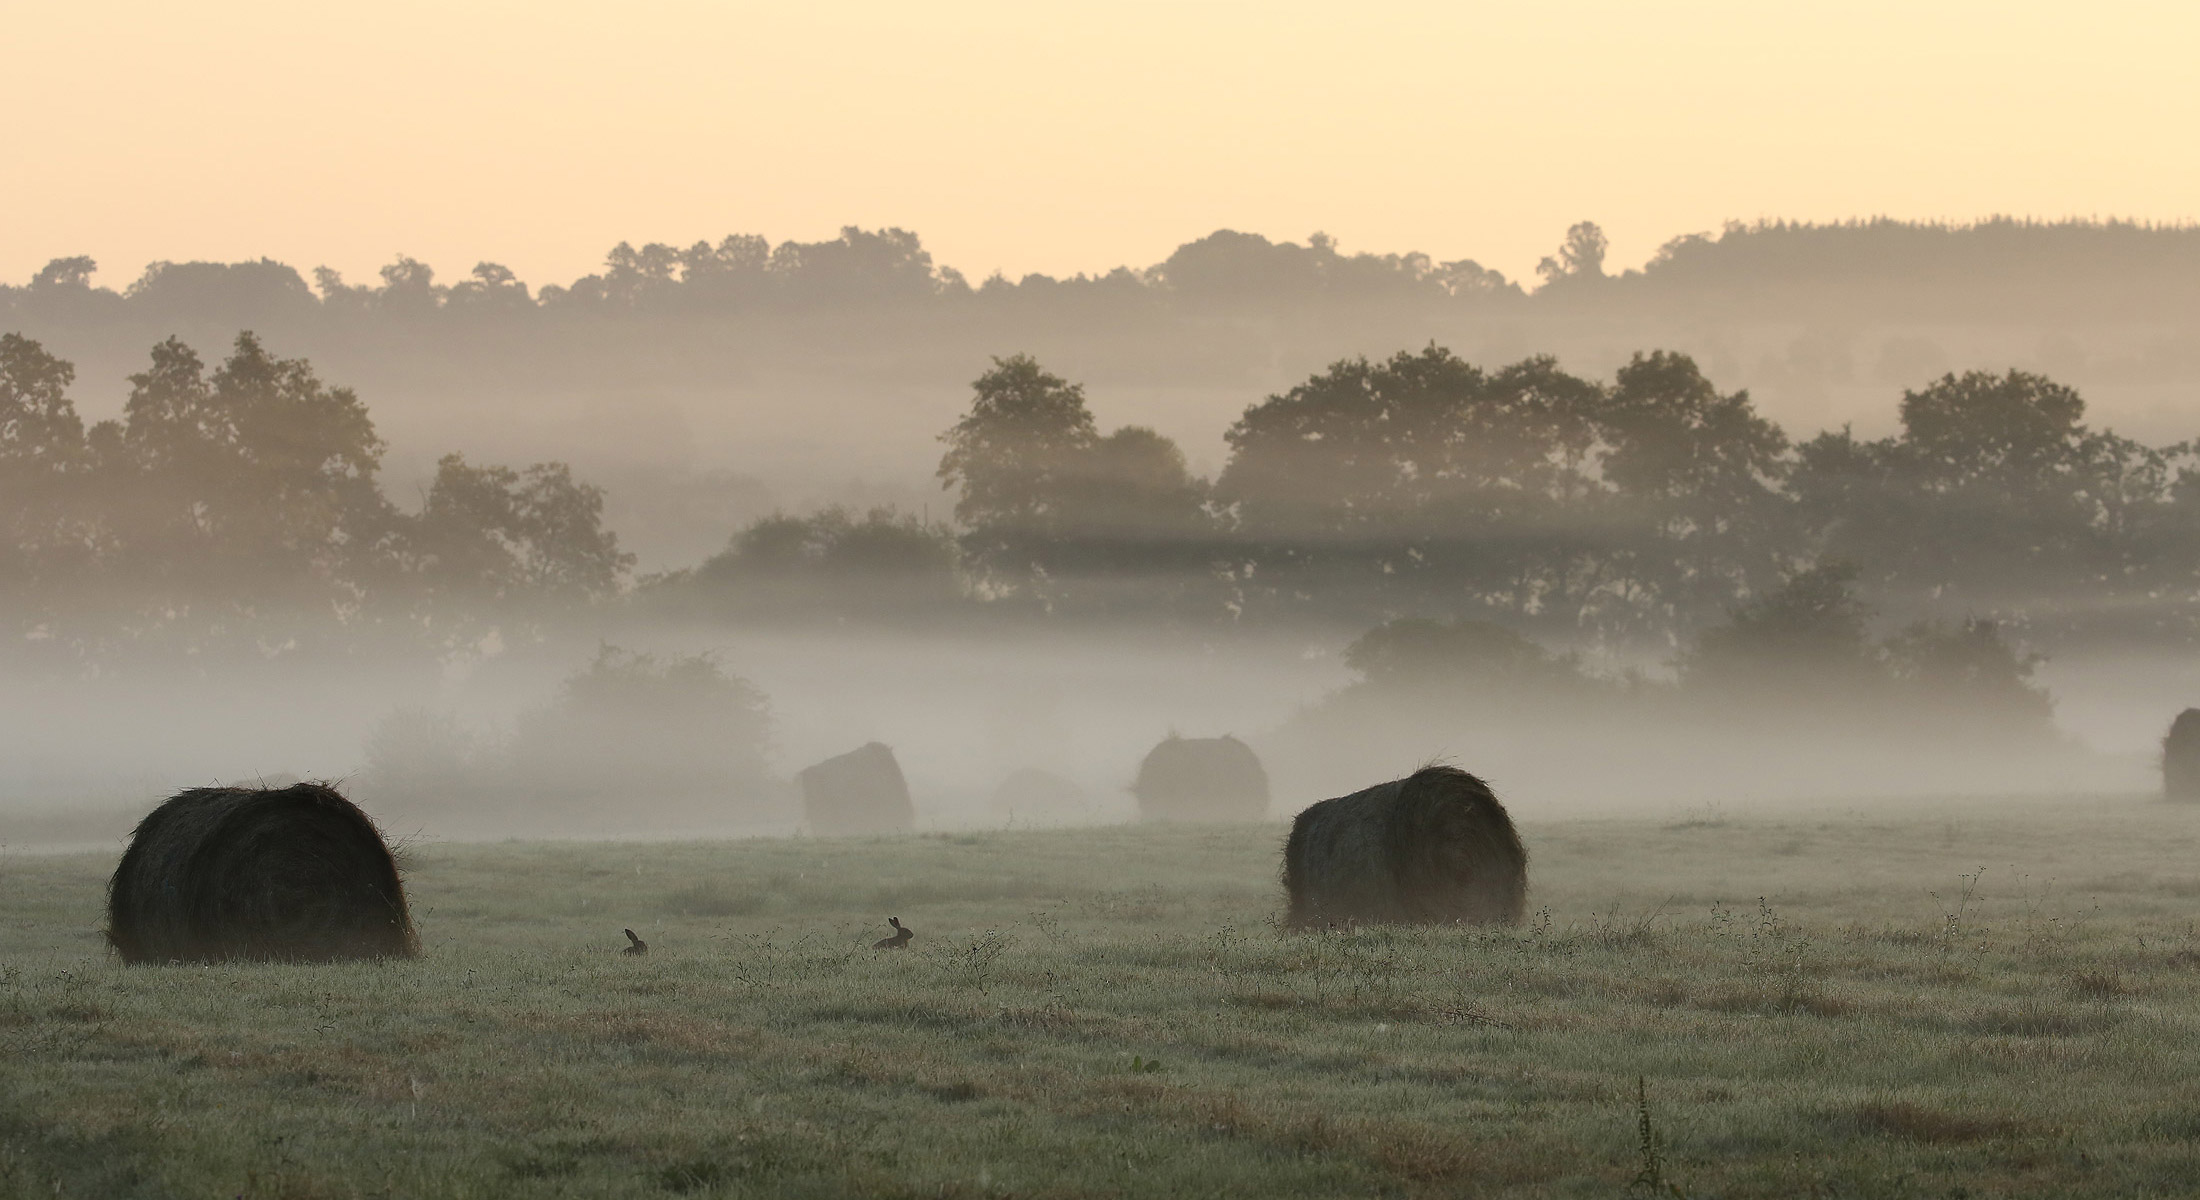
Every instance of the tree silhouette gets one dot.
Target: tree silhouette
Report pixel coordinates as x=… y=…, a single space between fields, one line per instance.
x=1579 y=257
x=1011 y=456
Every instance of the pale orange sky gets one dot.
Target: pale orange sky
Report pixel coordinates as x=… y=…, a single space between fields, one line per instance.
x=1026 y=136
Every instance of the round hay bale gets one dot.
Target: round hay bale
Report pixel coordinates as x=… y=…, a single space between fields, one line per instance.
x=1201 y=779
x=1034 y=797
x=1433 y=848
x=2181 y=757
x=294 y=874
x=861 y=791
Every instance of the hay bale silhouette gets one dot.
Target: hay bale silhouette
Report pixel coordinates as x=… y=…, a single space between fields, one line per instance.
x=294 y=874
x=1201 y=779
x=861 y=791
x=1032 y=796
x=1433 y=848
x=2181 y=757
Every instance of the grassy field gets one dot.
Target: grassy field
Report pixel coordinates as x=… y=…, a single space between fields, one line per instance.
x=1934 y=999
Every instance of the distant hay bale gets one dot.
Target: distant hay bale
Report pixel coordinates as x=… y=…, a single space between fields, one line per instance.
x=2181 y=757
x=293 y=874
x=1201 y=779
x=1033 y=796
x=1433 y=848
x=861 y=791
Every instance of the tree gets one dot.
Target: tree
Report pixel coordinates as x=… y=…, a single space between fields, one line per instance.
x=1012 y=454
x=1698 y=474
x=735 y=271
x=495 y=548
x=1417 y=441
x=859 y=266
x=1423 y=471
x=1046 y=499
x=66 y=274
x=45 y=544
x=41 y=435
x=1996 y=497
x=1130 y=504
x=257 y=291
x=491 y=288
x=2014 y=430
x=409 y=288
x=245 y=492
x=633 y=278
x=1579 y=257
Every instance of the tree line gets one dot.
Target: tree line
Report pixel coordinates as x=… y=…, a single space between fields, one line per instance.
x=2001 y=266
x=1635 y=512
x=240 y=509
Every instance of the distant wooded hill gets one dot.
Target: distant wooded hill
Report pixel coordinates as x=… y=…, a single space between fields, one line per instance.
x=2002 y=267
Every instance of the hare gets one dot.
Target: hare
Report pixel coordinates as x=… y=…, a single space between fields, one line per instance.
x=900 y=940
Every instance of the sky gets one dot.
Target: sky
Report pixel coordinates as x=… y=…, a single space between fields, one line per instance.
x=1059 y=137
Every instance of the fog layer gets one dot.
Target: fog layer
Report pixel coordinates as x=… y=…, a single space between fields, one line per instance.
x=618 y=557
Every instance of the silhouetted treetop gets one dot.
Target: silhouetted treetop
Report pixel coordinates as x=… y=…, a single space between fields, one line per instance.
x=1012 y=454
x=1579 y=257
x=246 y=290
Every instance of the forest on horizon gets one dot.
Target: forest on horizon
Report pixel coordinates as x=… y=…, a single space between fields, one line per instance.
x=2009 y=267
x=2005 y=267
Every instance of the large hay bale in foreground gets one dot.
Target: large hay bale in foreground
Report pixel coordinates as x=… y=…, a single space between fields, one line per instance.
x=2181 y=757
x=292 y=874
x=1201 y=779
x=1433 y=848
x=861 y=791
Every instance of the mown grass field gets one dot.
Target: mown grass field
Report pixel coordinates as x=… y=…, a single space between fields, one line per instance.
x=1833 y=1002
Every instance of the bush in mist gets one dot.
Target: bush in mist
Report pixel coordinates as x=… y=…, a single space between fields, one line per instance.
x=633 y=724
x=1806 y=649
x=1797 y=672
x=833 y=564
x=1811 y=635
x=627 y=729
x=1971 y=672
x=421 y=758
x=1416 y=655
